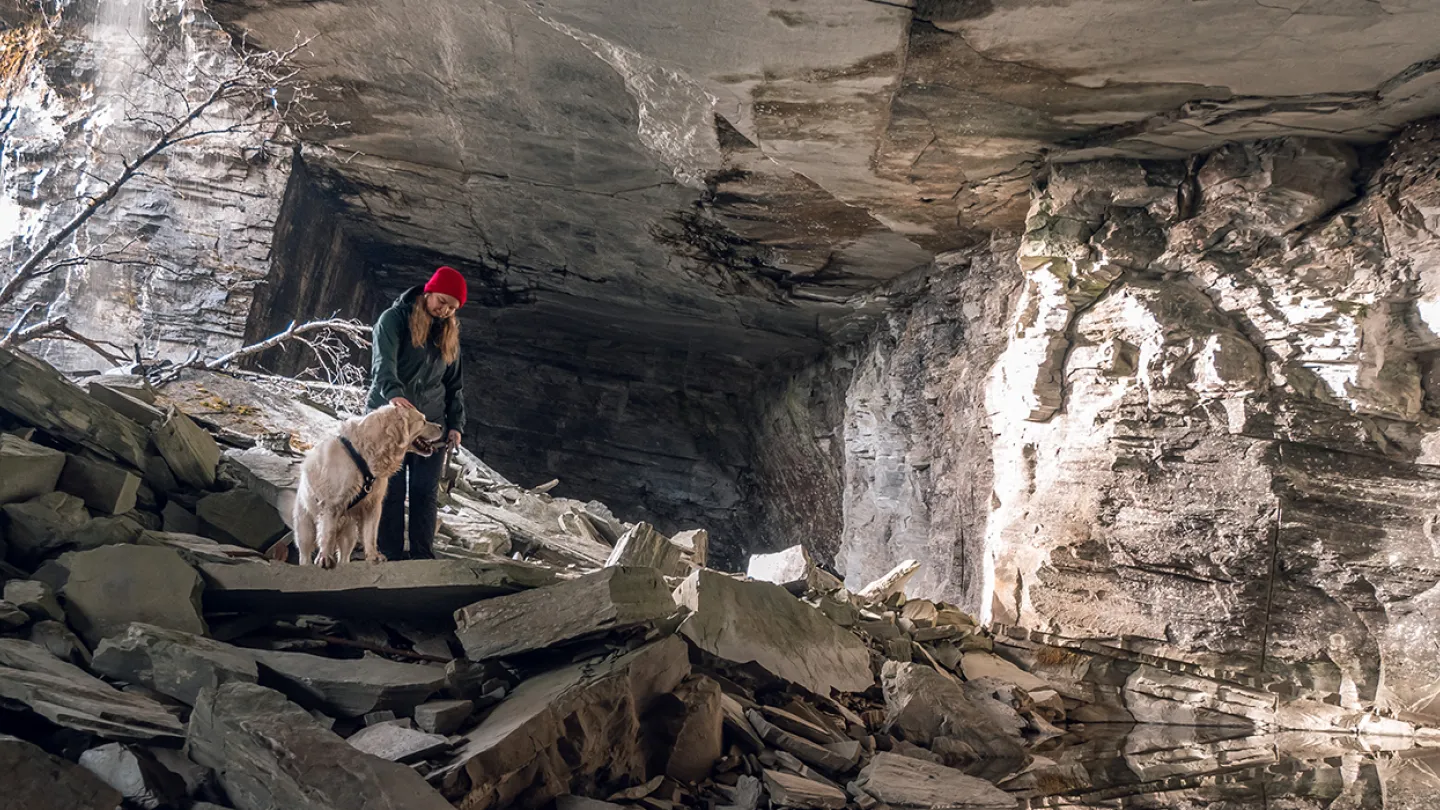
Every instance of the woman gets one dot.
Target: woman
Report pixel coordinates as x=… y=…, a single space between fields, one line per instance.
x=416 y=364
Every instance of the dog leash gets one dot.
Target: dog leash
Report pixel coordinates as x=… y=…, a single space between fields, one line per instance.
x=364 y=472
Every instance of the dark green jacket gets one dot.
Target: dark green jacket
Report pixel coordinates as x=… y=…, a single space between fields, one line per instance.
x=398 y=369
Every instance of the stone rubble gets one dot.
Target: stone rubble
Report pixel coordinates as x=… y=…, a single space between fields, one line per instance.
x=583 y=685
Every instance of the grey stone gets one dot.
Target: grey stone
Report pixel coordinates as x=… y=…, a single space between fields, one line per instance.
x=572 y=723
x=644 y=547
x=761 y=622
x=905 y=782
x=105 y=531
x=244 y=733
x=922 y=704
x=106 y=589
x=789 y=790
x=240 y=517
x=197 y=550
x=63 y=644
x=36 y=780
x=395 y=590
x=172 y=662
x=158 y=476
x=34 y=391
x=191 y=453
x=136 y=386
x=829 y=761
x=43 y=526
x=124 y=402
x=179 y=520
x=610 y=599
x=443 y=716
x=12 y=617
x=271 y=476
x=789 y=568
x=397 y=743
x=136 y=774
x=569 y=802
x=27 y=470
x=68 y=696
x=104 y=487
x=34 y=597
x=698 y=741
x=353 y=687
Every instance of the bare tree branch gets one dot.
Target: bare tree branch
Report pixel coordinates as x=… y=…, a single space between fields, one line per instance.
x=322 y=337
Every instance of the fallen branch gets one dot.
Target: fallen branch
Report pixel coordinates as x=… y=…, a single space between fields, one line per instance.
x=57 y=328
x=356 y=331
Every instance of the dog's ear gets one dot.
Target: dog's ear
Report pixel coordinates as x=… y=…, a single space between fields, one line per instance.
x=397 y=433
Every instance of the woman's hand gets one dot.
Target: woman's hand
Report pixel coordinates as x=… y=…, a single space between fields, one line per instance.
x=402 y=402
x=452 y=439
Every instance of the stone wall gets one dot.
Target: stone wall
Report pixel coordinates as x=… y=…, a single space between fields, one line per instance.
x=1213 y=431
x=190 y=235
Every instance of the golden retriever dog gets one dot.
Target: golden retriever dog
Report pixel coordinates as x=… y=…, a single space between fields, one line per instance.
x=333 y=507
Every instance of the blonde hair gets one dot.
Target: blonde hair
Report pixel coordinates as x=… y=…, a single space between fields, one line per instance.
x=420 y=323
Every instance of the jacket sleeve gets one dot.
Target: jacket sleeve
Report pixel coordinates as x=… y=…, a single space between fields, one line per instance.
x=455 y=396
x=384 y=357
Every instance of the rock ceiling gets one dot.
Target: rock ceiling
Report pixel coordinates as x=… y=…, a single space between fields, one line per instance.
x=626 y=169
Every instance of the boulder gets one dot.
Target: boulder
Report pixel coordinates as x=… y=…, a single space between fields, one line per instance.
x=104 y=487
x=39 y=395
x=698 y=743
x=443 y=716
x=191 y=453
x=789 y=790
x=513 y=758
x=644 y=547
x=143 y=781
x=789 y=568
x=197 y=550
x=105 y=531
x=352 y=687
x=761 y=622
x=397 y=743
x=36 y=780
x=270 y=475
x=63 y=644
x=68 y=696
x=179 y=520
x=35 y=598
x=172 y=662
x=42 y=527
x=269 y=753
x=158 y=476
x=609 y=599
x=694 y=547
x=901 y=781
x=12 y=617
x=922 y=704
x=240 y=517
x=27 y=470
x=131 y=385
x=106 y=589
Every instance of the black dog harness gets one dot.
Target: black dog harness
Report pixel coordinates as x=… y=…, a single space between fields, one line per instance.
x=364 y=472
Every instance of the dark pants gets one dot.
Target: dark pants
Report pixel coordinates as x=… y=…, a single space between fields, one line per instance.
x=423 y=473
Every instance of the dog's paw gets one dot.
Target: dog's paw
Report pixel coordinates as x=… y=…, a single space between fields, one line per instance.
x=378 y=558
x=327 y=561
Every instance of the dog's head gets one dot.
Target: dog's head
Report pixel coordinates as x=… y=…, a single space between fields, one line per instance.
x=410 y=429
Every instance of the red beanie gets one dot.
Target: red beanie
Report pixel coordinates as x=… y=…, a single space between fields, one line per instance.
x=447 y=281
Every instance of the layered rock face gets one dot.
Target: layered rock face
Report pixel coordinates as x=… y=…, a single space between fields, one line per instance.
x=180 y=251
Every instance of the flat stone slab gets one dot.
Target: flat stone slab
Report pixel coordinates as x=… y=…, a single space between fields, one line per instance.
x=398 y=743
x=761 y=622
x=353 y=687
x=69 y=696
x=789 y=790
x=901 y=781
x=391 y=590
x=790 y=567
x=242 y=518
x=610 y=599
x=27 y=470
x=37 y=780
x=105 y=487
x=923 y=705
x=172 y=662
x=34 y=391
x=35 y=598
x=443 y=716
x=269 y=753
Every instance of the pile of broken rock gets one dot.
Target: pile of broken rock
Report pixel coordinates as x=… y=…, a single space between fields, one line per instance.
x=157 y=652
